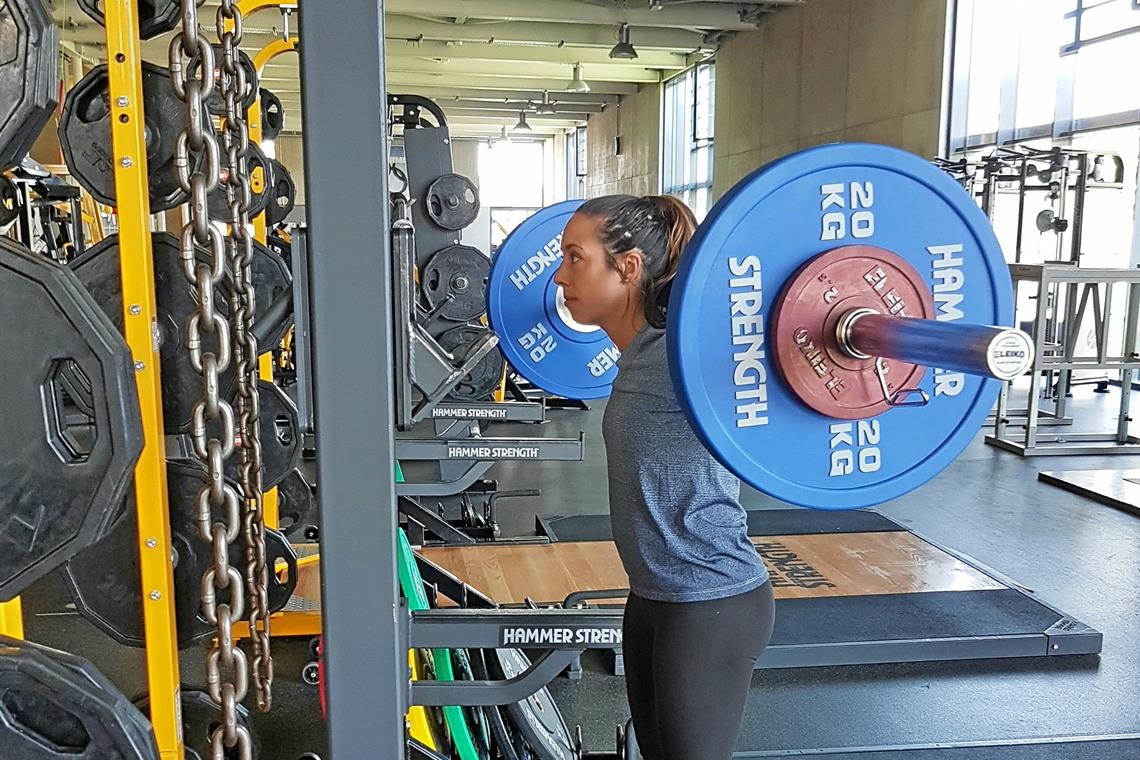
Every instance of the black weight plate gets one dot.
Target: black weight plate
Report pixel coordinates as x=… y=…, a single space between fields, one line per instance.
x=296 y=505
x=55 y=705
x=9 y=202
x=279 y=245
x=452 y=201
x=272 y=115
x=502 y=740
x=261 y=185
x=85 y=135
x=155 y=16
x=271 y=278
x=479 y=384
x=216 y=103
x=103 y=581
x=63 y=471
x=283 y=197
x=29 y=61
x=476 y=719
x=199 y=717
x=98 y=270
x=135 y=722
x=282 y=563
x=457 y=274
x=537 y=718
x=281 y=441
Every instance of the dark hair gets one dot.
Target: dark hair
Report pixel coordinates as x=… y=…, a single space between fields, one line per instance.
x=659 y=226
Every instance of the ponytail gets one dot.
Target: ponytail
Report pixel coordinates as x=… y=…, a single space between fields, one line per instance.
x=680 y=224
x=659 y=226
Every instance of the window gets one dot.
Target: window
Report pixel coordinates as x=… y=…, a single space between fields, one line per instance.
x=511 y=174
x=576 y=163
x=1042 y=69
x=1097 y=20
x=580 y=151
x=687 y=129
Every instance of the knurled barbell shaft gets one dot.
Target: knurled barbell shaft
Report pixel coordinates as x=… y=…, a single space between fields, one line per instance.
x=999 y=352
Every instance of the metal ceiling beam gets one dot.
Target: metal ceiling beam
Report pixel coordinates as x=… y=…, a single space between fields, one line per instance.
x=592 y=72
x=695 y=16
x=523 y=53
x=293 y=99
x=683 y=14
x=497 y=124
x=443 y=93
x=515 y=70
x=496 y=131
x=404 y=28
x=570 y=35
x=503 y=112
x=407 y=81
x=464 y=114
x=516 y=105
x=496 y=136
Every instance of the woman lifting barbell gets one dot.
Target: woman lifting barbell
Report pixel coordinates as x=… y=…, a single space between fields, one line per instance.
x=700 y=609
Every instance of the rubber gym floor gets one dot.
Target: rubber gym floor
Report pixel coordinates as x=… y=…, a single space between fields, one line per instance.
x=1078 y=555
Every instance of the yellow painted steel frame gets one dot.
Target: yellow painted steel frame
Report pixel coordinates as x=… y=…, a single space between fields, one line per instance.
x=285 y=623
x=139 y=320
x=253 y=119
x=12 y=619
x=294 y=624
x=253 y=6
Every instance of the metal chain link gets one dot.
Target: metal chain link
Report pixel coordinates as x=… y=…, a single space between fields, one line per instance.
x=239 y=246
x=214 y=429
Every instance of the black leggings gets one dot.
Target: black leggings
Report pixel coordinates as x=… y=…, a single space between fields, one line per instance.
x=687 y=670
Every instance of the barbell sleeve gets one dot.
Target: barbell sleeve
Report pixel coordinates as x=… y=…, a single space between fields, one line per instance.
x=998 y=352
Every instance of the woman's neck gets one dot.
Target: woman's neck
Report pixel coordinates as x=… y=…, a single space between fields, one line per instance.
x=623 y=328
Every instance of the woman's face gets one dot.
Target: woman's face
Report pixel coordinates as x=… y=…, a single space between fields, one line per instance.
x=595 y=292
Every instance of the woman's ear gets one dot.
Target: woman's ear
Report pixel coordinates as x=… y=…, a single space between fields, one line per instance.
x=629 y=266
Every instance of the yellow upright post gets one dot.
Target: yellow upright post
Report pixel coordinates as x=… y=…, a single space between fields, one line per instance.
x=140 y=318
x=12 y=619
x=285 y=624
x=253 y=116
x=253 y=119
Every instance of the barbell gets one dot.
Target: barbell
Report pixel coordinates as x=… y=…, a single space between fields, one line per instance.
x=831 y=330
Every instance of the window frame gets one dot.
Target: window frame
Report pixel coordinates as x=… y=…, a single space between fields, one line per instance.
x=1064 y=123
x=682 y=164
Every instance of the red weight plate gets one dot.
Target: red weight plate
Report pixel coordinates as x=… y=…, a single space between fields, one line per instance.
x=806 y=347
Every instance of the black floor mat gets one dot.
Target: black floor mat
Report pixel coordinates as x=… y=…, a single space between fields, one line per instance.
x=1105 y=749
x=937 y=614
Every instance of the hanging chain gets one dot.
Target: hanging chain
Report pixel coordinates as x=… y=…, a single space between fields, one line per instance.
x=239 y=247
x=214 y=428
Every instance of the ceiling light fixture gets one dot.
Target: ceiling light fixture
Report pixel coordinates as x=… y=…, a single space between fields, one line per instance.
x=578 y=84
x=623 y=50
x=545 y=108
x=522 y=126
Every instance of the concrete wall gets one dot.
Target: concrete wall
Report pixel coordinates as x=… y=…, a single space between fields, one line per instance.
x=830 y=70
x=637 y=121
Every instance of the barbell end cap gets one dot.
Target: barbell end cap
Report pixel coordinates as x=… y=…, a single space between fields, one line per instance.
x=1010 y=354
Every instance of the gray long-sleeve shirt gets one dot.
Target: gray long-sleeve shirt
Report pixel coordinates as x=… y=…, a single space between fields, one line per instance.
x=677 y=521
